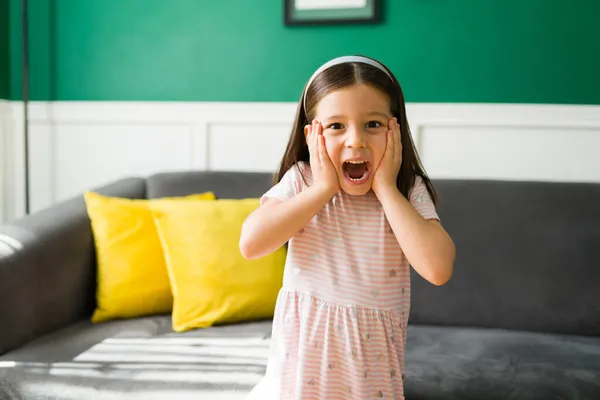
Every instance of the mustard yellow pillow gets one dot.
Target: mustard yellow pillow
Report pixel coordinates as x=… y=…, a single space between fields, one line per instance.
x=212 y=282
x=132 y=278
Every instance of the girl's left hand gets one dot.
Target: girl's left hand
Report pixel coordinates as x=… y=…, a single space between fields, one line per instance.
x=387 y=172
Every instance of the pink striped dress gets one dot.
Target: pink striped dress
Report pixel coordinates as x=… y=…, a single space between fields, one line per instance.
x=339 y=328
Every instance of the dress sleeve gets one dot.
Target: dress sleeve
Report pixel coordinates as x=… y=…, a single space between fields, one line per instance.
x=421 y=200
x=289 y=186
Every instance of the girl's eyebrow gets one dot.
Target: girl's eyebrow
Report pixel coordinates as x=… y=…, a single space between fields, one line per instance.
x=341 y=116
x=379 y=113
x=337 y=116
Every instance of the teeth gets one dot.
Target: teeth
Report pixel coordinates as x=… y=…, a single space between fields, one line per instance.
x=356 y=162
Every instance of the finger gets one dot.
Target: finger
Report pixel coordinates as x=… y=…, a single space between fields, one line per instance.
x=322 y=155
x=315 y=133
x=321 y=141
x=315 y=138
x=391 y=143
x=386 y=150
x=308 y=138
x=398 y=137
x=391 y=134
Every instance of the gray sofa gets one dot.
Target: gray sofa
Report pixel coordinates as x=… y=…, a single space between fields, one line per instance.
x=520 y=318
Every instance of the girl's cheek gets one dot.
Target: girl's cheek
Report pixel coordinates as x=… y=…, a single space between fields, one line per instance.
x=329 y=146
x=380 y=142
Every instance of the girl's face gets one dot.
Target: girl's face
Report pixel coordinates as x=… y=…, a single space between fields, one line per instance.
x=355 y=121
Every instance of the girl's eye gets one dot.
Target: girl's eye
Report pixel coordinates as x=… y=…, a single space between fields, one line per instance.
x=373 y=124
x=335 y=125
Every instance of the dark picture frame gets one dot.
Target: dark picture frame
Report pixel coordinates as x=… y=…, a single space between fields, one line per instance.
x=295 y=16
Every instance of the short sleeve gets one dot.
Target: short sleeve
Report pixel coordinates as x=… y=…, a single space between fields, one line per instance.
x=289 y=186
x=421 y=200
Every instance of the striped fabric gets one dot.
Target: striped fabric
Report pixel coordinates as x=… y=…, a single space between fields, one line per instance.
x=340 y=323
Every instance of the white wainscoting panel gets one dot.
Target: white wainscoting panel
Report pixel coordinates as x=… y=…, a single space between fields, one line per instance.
x=75 y=146
x=246 y=147
x=510 y=142
x=546 y=154
x=106 y=152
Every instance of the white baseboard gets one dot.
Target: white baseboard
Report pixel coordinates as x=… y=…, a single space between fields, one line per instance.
x=79 y=145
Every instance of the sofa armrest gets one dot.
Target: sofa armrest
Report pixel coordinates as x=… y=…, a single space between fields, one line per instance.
x=48 y=267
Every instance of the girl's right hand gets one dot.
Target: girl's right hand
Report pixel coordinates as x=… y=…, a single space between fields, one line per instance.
x=321 y=166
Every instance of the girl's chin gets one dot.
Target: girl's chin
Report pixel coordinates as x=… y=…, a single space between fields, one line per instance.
x=356 y=192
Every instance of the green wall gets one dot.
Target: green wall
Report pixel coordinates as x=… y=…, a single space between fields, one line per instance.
x=4 y=50
x=515 y=51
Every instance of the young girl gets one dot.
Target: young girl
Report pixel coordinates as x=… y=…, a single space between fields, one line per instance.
x=357 y=209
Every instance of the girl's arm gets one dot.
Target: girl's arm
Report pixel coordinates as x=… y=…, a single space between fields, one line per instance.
x=270 y=226
x=278 y=219
x=425 y=243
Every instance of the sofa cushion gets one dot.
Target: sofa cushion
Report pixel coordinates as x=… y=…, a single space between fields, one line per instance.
x=137 y=359
x=225 y=185
x=143 y=359
x=527 y=258
x=446 y=363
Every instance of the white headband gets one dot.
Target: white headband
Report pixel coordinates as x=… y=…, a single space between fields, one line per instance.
x=342 y=60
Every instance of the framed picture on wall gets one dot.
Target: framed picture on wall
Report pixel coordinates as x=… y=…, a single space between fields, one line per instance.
x=330 y=12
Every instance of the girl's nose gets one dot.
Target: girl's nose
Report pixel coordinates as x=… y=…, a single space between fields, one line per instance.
x=355 y=137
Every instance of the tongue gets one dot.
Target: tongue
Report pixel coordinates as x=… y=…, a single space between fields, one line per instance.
x=355 y=171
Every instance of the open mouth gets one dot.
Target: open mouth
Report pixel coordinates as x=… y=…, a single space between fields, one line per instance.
x=356 y=171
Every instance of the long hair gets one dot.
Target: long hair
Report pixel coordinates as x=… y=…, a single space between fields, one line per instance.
x=338 y=77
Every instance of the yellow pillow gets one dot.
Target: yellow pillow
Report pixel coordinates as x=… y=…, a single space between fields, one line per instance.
x=212 y=282
x=132 y=275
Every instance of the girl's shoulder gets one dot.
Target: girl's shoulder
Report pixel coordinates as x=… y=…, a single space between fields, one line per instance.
x=417 y=185
x=295 y=180
x=301 y=174
x=304 y=167
x=421 y=199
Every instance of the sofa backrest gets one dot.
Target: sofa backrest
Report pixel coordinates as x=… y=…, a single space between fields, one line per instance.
x=225 y=185
x=528 y=253
x=528 y=258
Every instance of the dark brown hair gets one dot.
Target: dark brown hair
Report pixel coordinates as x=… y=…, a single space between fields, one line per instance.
x=340 y=76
